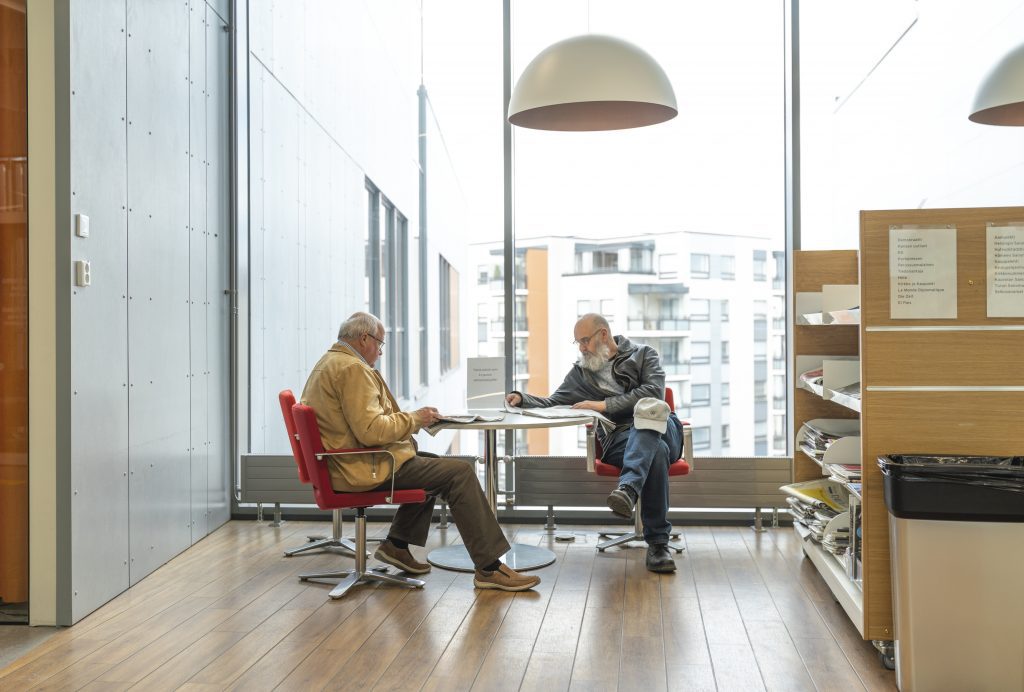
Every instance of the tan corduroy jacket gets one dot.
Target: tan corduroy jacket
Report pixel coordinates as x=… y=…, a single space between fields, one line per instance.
x=355 y=408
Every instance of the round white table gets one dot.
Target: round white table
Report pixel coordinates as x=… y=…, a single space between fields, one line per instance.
x=520 y=557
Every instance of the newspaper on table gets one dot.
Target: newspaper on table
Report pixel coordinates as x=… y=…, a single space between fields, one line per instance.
x=557 y=412
x=820 y=493
x=449 y=419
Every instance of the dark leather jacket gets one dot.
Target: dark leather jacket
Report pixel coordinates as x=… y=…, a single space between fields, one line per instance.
x=637 y=367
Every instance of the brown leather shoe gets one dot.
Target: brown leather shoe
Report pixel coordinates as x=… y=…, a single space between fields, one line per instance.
x=504 y=579
x=400 y=558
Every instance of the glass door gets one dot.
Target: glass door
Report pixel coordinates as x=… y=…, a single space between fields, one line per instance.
x=13 y=314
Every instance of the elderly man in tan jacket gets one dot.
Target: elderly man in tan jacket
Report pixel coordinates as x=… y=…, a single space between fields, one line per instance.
x=355 y=408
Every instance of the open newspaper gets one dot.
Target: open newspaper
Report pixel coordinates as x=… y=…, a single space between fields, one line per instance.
x=448 y=419
x=556 y=412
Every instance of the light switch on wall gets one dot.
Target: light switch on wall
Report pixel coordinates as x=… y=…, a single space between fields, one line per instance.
x=81 y=225
x=83 y=275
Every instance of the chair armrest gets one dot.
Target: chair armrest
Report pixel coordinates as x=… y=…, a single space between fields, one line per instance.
x=364 y=450
x=688 y=443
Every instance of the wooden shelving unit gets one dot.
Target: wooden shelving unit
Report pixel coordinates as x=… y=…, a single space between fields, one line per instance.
x=931 y=386
x=928 y=386
x=824 y=334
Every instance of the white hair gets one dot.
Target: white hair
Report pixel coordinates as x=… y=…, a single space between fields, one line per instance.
x=358 y=324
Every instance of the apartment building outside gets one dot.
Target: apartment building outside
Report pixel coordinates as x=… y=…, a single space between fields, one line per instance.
x=713 y=305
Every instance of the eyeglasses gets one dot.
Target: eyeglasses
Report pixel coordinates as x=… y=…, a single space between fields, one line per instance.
x=380 y=348
x=585 y=341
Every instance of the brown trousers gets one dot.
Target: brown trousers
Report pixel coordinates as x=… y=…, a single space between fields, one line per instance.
x=456 y=481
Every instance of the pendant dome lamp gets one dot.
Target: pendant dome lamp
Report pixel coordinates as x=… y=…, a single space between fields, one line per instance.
x=592 y=82
x=1000 y=100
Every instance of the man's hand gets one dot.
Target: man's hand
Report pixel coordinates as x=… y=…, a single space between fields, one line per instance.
x=427 y=415
x=591 y=406
x=513 y=399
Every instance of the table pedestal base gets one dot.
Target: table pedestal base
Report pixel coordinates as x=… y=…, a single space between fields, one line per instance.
x=520 y=558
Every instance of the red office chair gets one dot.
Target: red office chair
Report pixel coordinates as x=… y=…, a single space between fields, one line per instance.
x=336 y=540
x=314 y=457
x=680 y=467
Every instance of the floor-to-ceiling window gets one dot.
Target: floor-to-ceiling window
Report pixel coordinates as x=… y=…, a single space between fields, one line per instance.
x=669 y=231
x=13 y=315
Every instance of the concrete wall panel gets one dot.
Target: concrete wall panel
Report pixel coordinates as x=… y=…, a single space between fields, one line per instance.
x=218 y=280
x=158 y=282
x=99 y=540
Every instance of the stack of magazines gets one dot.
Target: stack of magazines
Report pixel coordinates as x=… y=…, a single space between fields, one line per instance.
x=813 y=504
x=837 y=541
x=818 y=438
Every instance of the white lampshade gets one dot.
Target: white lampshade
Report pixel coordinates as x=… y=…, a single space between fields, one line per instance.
x=592 y=82
x=1000 y=100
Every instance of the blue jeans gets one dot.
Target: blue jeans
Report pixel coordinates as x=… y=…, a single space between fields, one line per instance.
x=644 y=457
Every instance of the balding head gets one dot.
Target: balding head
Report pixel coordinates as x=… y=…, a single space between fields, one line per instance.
x=593 y=335
x=591 y=322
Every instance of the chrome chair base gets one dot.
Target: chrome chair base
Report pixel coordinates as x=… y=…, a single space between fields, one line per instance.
x=361 y=575
x=343 y=545
x=353 y=577
x=637 y=534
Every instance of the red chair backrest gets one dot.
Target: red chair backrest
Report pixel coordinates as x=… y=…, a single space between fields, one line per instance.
x=311 y=444
x=671 y=400
x=287 y=400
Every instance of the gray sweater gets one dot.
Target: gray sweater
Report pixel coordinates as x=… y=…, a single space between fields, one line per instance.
x=636 y=367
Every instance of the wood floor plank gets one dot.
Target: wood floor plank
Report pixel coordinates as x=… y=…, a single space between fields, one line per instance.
x=827 y=665
x=686 y=644
x=430 y=640
x=158 y=652
x=324 y=663
x=368 y=663
x=642 y=662
x=458 y=666
x=48 y=664
x=547 y=672
x=692 y=678
x=504 y=665
x=780 y=663
x=861 y=654
x=596 y=665
x=743 y=611
x=234 y=661
x=178 y=669
x=90 y=667
x=735 y=668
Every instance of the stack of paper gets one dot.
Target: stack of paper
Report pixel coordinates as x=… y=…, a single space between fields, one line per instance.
x=820 y=494
x=448 y=419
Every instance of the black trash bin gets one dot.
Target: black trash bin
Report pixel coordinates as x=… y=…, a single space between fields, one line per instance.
x=956 y=529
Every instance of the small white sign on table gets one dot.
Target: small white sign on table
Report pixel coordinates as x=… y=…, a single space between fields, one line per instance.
x=922 y=273
x=1005 y=263
x=485 y=383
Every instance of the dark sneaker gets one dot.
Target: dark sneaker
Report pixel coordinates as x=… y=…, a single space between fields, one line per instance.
x=622 y=500
x=504 y=579
x=400 y=558
x=659 y=559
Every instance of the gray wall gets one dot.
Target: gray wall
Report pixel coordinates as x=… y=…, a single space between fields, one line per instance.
x=147 y=343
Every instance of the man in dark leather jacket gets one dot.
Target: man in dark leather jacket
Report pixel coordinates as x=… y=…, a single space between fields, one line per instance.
x=612 y=376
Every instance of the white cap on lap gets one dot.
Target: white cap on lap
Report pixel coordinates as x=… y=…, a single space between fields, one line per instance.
x=651 y=414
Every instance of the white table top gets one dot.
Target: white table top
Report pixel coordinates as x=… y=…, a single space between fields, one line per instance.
x=515 y=421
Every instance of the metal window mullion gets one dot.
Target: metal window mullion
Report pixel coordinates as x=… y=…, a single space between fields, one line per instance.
x=509 y=235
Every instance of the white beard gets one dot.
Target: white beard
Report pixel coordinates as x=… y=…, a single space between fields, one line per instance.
x=595 y=361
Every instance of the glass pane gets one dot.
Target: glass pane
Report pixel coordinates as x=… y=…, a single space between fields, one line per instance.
x=597 y=205
x=14 y=315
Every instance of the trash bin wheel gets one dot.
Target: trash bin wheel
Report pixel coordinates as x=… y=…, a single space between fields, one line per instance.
x=888 y=661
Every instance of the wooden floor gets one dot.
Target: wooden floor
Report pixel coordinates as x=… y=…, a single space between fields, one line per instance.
x=744 y=612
